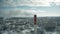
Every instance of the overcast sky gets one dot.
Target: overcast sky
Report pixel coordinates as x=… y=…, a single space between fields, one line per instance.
x=23 y=8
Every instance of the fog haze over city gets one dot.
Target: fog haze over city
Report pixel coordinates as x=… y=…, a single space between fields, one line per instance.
x=25 y=8
x=17 y=16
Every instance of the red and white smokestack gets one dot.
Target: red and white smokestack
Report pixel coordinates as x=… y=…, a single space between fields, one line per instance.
x=35 y=24
x=35 y=19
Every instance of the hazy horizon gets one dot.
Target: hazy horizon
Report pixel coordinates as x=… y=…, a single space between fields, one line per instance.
x=27 y=8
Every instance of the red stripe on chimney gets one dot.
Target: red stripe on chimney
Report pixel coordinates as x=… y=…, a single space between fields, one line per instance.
x=35 y=19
